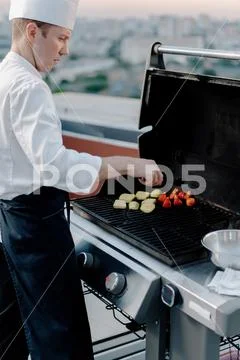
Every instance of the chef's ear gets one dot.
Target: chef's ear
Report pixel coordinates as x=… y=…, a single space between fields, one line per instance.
x=31 y=31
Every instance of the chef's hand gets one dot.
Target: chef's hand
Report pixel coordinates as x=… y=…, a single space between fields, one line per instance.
x=152 y=174
x=147 y=171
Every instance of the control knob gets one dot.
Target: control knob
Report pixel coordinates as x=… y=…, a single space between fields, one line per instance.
x=85 y=260
x=115 y=283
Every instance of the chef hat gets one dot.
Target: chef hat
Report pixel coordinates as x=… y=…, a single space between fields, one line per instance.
x=56 y=12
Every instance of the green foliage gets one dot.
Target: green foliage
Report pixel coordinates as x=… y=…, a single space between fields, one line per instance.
x=97 y=83
x=73 y=56
x=95 y=88
x=57 y=90
x=64 y=82
x=82 y=83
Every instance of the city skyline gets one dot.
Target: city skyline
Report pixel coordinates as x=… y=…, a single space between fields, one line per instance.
x=107 y=8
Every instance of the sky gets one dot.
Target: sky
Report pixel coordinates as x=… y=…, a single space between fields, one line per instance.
x=120 y=8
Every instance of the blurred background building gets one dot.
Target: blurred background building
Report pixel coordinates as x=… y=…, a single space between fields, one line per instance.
x=108 y=56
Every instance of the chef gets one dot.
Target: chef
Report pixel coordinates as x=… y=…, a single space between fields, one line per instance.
x=37 y=172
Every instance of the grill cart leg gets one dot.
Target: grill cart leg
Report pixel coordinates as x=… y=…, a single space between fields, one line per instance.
x=191 y=340
x=156 y=337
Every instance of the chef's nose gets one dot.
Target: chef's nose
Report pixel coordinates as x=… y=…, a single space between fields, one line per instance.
x=65 y=49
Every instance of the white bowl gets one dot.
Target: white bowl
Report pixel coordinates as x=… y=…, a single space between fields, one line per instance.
x=224 y=246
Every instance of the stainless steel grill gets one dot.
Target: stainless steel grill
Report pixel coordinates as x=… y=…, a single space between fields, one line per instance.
x=152 y=267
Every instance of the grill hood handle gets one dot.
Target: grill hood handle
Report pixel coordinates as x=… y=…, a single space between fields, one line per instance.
x=216 y=54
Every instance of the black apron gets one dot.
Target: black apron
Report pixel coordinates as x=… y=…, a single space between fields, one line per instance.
x=40 y=253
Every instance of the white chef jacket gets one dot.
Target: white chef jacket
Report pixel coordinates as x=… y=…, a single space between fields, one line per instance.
x=32 y=153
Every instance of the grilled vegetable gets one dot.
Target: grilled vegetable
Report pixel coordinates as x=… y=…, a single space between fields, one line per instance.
x=133 y=205
x=120 y=204
x=147 y=207
x=167 y=203
x=187 y=195
x=173 y=193
x=161 y=198
x=127 y=197
x=190 y=201
x=156 y=193
x=142 y=195
x=149 y=201
x=181 y=195
x=177 y=201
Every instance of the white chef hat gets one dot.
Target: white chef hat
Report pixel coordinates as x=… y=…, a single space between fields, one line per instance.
x=57 y=12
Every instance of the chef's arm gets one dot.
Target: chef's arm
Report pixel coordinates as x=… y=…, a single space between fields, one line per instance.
x=146 y=170
x=115 y=166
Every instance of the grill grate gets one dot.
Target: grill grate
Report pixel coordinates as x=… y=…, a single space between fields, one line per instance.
x=171 y=235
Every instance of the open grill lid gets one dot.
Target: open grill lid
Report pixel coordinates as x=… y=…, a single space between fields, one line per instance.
x=195 y=120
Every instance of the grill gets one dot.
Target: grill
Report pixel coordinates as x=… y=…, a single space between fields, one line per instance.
x=152 y=268
x=171 y=235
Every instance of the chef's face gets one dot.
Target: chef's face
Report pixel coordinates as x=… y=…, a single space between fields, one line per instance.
x=48 y=47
